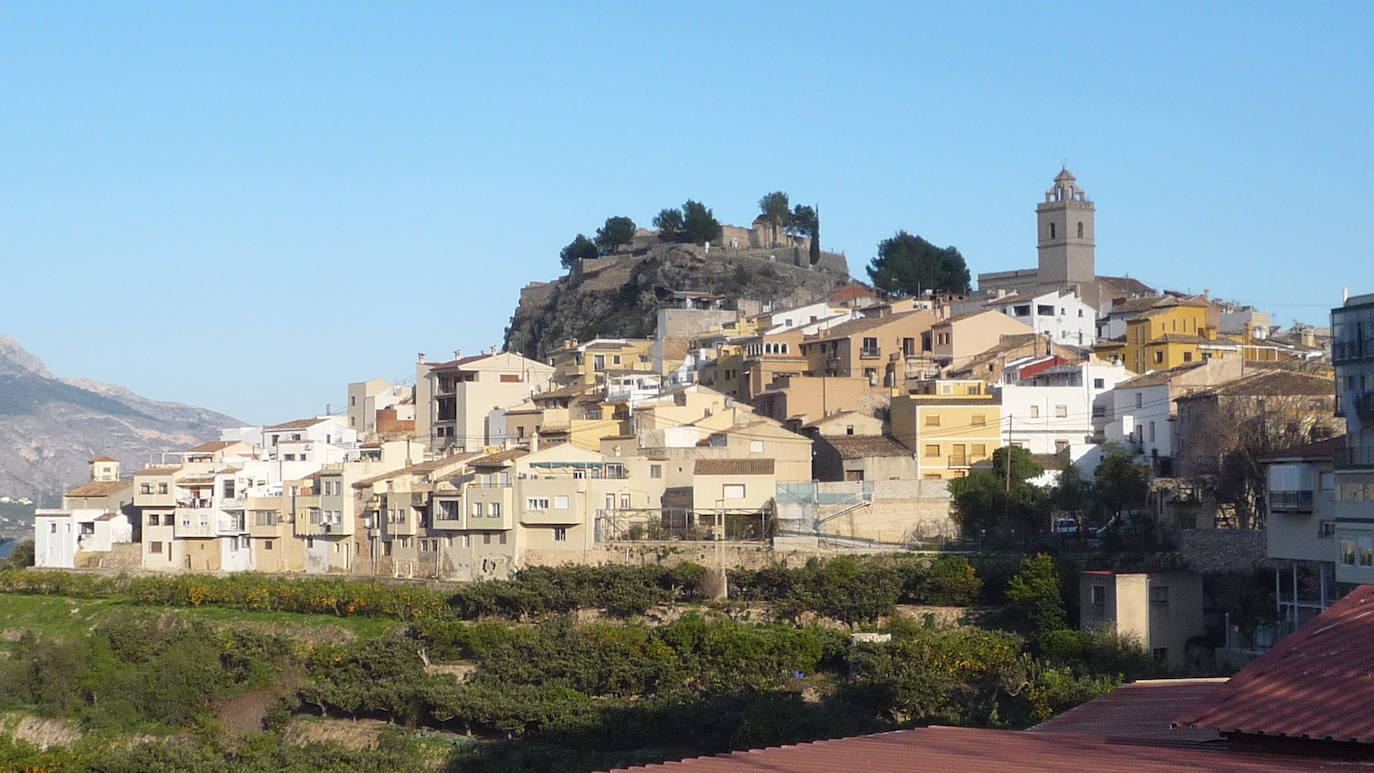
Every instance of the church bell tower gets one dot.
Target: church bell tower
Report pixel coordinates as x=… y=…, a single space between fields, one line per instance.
x=1064 y=222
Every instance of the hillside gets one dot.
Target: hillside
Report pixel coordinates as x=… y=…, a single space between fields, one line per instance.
x=50 y=426
x=619 y=295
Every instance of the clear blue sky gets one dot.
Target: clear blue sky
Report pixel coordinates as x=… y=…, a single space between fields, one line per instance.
x=249 y=205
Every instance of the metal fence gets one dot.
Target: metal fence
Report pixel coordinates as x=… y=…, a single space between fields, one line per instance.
x=683 y=524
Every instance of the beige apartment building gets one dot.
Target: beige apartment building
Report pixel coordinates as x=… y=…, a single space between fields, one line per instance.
x=591 y=362
x=958 y=339
x=948 y=434
x=804 y=399
x=454 y=399
x=873 y=348
x=1160 y=610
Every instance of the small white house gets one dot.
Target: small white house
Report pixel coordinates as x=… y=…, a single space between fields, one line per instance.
x=59 y=534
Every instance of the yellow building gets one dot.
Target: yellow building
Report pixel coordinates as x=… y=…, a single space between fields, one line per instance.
x=948 y=434
x=1169 y=336
x=589 y=363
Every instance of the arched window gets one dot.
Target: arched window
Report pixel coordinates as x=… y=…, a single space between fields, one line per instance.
x=1080 y=230
x=1051 y=230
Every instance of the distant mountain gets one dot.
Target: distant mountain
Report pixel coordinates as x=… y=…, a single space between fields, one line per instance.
x=50 y=427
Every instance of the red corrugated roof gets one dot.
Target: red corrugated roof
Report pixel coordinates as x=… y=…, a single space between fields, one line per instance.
x=1043 y=365
x=1316 y=683
x=970 y=750
x=1141 y=710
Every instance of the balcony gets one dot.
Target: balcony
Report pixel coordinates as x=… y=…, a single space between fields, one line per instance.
x=1357 y=458
x=1291 y=501
x=232 y=525
x=194 y=522
x=1364 y=404
x=870 y=353
x=1351 y=350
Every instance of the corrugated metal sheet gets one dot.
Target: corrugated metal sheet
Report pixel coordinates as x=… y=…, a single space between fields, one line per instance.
x=1140 y=710
x=1316 y=683
x=968 y=750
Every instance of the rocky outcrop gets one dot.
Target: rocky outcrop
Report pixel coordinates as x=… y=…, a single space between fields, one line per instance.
x=50 y=427
x=619 y=296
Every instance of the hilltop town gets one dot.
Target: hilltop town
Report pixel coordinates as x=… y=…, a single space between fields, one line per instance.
x=808 y=415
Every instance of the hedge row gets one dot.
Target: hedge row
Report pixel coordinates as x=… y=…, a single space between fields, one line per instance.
x=844 y=588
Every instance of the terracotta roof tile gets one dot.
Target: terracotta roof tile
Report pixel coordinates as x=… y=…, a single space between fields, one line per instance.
x=211 y=447
x=295 y=424
x=861 y=446
x=103 y=459
x=733 y=467
x=100 y=488
x=847 y=329
x=499 y=459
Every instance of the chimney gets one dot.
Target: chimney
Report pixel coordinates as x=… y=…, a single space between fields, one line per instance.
x=420 y=358
x=534 y=442
x=457 y=354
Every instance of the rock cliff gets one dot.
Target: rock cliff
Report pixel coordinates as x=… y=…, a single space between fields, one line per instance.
x=50 y=427
x=619 y=296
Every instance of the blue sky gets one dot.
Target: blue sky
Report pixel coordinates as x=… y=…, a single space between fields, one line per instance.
x=247 y=206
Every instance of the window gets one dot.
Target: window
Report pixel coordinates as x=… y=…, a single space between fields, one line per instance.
x=1080 y=230
x=1099 y=383
x=1159 y=357
x=933 y=449
x=1138 y=399
x=1061 y=411
x=154 y=547
x=1099 y=594
x=494 y=509
x=536 y=503
x=755 y=446
x=162 y=488
x=1152 y=432
x=624 y=501
x=1052 y=233
x=1035 y=411
x=732 y=491
x=979 y=420
x=560 y=534
x=1060 y=446
x=932 y=419
x=560 y=502
x=1159 y=595
x=145 y=488
x=1021 y=311
x=978 y=450
x=1160 y=653
x=267 y=544
x=656 y=471
x=502 y=539
x=1187 y=356
x=486 y=538
x=1099 y=411
x=1348 y=552
x=1326 y=529
x=1044 y=310
x=870 y=345
x=1366 y=552
x=931 y=476
x=477 y=509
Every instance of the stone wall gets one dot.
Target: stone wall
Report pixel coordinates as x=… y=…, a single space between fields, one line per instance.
x=122 y=555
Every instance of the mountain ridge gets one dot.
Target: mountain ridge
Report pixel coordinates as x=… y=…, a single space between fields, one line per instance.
x=51 y=426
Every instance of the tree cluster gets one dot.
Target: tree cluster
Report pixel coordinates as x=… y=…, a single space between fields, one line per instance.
x=616 y=232
x=910 y=265
x=799 y=222
x=694 y=223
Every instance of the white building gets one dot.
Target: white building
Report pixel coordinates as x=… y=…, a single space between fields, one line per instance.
x=1059 y=314
x=1062 y=408
x=58 y=534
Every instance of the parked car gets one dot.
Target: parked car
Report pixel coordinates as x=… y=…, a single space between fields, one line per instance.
x=1065 y=526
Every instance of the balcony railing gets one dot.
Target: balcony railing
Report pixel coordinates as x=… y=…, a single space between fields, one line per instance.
x=869 y=353
x=1291 y=501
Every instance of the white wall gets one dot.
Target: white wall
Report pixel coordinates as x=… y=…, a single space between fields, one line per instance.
x=1073 y=322
x=1127 y=422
